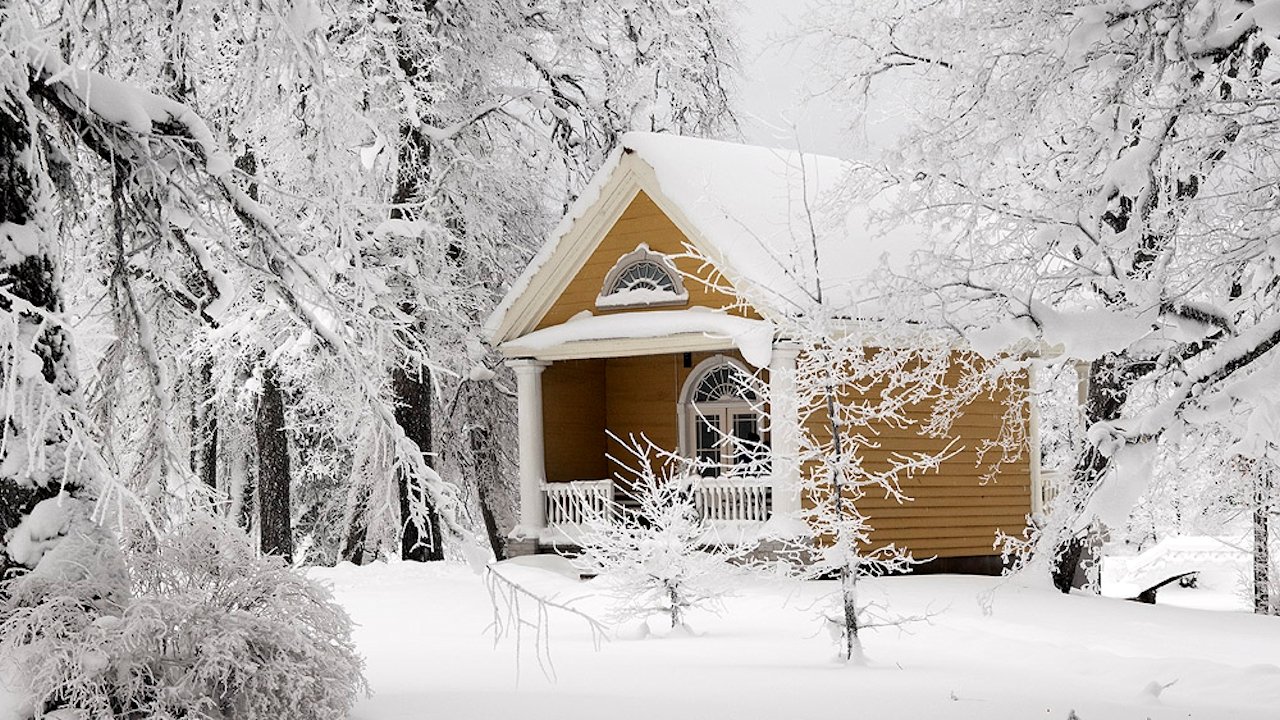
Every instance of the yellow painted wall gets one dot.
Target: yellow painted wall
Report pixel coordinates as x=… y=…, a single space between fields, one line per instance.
x=643 y=394
x=573 y=418
x=642 y=221
x=953 y=512
x=631 y=395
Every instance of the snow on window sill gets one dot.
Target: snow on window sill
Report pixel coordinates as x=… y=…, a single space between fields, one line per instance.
x=640 y=298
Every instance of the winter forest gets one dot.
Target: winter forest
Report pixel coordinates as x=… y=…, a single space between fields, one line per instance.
x=651 y=358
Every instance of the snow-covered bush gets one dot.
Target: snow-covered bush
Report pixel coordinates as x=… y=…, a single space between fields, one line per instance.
x=656 y=555
x=207 y=629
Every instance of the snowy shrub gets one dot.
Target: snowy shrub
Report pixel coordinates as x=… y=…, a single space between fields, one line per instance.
x=653 y=554
x=209 y=629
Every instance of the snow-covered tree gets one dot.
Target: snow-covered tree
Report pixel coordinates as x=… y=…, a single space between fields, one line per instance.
x=202 y=626
x=88 y=152
x=847 y=393
x=1102 y=174
x=410 y=153
x=245 y=245
x=657 y=555
x=503 y=112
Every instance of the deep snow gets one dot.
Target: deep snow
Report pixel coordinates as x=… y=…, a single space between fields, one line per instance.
x=1036 y=654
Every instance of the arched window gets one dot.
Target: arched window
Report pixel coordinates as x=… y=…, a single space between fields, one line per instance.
x=721 y=417
x=642 y=278
x=644 y=275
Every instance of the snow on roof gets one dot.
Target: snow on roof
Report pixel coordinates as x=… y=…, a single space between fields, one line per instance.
x=753 y=338
x=765 y=212
x=778 y=224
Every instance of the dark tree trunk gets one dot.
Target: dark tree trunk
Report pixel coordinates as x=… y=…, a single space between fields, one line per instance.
x=204 y=420
x=1262 y=483
x=251 y=502
x=1110 y=379
x=357 y=532
x=274 y=521
x=421 y=541
x=485 y=468
x=248 y=500
x=204 y=427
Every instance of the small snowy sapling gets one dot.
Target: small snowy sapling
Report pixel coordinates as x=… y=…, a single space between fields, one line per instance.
x=655 y=553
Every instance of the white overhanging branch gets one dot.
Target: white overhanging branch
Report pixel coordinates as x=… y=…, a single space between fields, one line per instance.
x=95 y=100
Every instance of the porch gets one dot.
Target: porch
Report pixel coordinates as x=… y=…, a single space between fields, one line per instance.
x=573 y=412
x=733 y=509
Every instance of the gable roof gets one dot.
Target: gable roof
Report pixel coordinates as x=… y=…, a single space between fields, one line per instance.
x=760 y=214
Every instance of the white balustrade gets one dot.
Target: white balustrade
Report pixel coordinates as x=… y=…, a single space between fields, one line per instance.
x=732 y=499
x=1052 y=482
x=578 y=503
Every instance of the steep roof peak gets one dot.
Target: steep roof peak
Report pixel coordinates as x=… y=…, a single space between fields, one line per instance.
x=795 y=232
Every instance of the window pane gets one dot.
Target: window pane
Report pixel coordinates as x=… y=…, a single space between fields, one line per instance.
x=708 y=444
x=722 y=384
x=748 y=446
x=645 y=275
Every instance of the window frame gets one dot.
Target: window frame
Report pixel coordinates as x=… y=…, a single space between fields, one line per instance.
x=690 y=411
x=641 y=255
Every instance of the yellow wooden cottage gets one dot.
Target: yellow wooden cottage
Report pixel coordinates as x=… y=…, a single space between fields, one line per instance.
x=614 y=328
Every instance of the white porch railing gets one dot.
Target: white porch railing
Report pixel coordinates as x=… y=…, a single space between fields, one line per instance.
x=733 y=499
x=1052 y=482
x=581 y=502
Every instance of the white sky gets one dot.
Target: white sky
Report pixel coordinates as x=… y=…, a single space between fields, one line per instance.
x=781 y=100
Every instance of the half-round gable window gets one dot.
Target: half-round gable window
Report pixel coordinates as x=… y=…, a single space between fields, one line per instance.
x=642 y=278
x=645 y=275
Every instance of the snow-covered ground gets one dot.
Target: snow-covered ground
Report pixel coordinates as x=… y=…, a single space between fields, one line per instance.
x=1222 y=568
x=991 y=650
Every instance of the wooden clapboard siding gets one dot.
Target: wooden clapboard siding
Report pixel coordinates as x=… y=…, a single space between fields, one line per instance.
x=642 y=221
x=573 y=417
x=642 y=396
x=954 y=512
x=958 y=510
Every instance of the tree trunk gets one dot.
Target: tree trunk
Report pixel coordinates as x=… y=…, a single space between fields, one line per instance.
x=358 y=529
x=1110 y=379
x=486 y=467
x=204 y=428
x=250 y=498
x=275 y=528
x=849 y=607
x=421 y=540
x=1262 y=479
x=242 y=489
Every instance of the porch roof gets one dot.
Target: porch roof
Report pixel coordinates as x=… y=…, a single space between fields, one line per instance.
x=695 y=328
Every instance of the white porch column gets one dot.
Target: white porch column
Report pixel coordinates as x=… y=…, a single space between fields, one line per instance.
x=532 y=465
x=785 y=426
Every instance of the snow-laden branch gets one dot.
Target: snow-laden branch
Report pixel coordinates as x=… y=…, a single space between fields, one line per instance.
x=134 y=129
